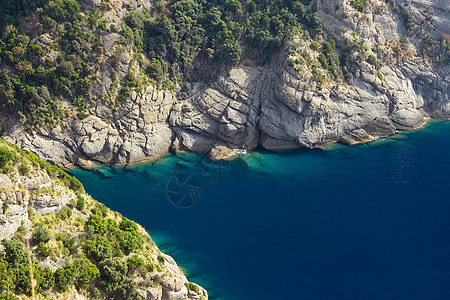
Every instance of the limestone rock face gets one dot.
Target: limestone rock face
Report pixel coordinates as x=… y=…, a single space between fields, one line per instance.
x=381 y=126
x=227 y=113
x=173 y=289
x=279 y=109
x=19 y=199
x=270 y=107
x=139 y=131
x=279 y=106
x=5 y=182
x=355 y=137
x=435 y=12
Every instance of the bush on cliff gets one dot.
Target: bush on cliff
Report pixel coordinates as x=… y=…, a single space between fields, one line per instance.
x=5 y=157
x=41 y=234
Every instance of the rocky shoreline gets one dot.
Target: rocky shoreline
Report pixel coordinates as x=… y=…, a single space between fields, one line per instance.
x=249 y=108
x=286 y=104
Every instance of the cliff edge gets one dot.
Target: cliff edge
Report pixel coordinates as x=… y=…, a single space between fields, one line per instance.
x=79 y=248
x=372 y=68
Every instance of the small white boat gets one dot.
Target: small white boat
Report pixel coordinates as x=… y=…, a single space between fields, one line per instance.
x=239 y=151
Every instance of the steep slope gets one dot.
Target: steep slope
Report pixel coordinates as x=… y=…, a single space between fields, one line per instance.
x=80 y=249
x=372 y=68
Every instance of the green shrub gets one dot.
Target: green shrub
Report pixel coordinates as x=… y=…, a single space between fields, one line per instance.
x=371 y=59
x=23 y=282
x=36 y=50
x=24 y=169
x=157 y=279
x=113 y=272
x=155 y=69
x=98 y=250
x=41 y=234
x=323 y=61
x=15 y=253
x=291 y=62
x=379 y=75
x=4 y=207
x=44 y=278
x=8 y=296
x=127 y=225
x=98 y=223
x=64 y=10
x=43 y=250
x=192 y=287
x=80 y=203
x=135 y=262
x=95 y=293
x=100 y=209
x=160 y=5
x=5 y=157
x=71 y=244
x=126 y=290
x=64 y=277
x=229 y=53
x=102 y=26
x=358 y=5
x=74 y=183
x=30 y=212
x=129 y=240
x=148 y=267
x=21 y=231
x=314 y=46
x=86 y=272
x=7 y=277
x=65 y=213
x=328 y=48
x=161 y=259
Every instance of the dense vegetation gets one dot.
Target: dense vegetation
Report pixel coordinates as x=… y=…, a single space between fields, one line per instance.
x=33 y=82
x=50 y=51
x=103 y=252
x=94 y=257
x=222 y=32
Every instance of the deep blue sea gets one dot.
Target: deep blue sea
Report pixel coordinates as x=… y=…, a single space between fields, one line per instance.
x=364 y=222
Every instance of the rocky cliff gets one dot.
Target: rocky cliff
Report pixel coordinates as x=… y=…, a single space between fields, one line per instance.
x=33 y=193
x=391 y=83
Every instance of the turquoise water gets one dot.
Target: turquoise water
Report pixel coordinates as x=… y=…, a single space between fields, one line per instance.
x=364 y=222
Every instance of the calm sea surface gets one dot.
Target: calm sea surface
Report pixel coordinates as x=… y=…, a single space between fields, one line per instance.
x=364 y=222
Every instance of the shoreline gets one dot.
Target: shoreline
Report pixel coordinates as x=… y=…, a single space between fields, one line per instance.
x=169 y=243
x=95 y=165
x=186 y=256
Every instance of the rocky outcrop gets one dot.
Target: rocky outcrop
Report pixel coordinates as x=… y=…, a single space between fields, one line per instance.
x=138 y=132
x=272 y=107
x=23 y=197
x=277 y=109
x=17 y=200
x=286 y=104
x=220 y=152
x=433 y=13
x=228 y=112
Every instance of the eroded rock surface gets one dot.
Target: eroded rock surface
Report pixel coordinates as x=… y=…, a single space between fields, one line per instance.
x=279 y=106
x=270 y=107
x=139 y=131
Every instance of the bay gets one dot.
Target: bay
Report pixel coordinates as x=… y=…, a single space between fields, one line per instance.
x=363 y=222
